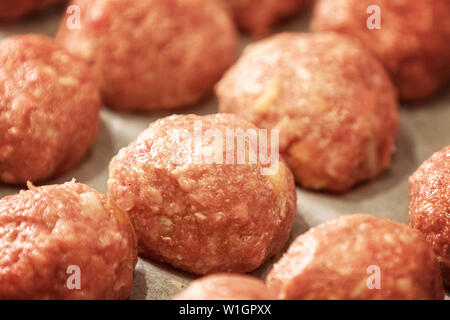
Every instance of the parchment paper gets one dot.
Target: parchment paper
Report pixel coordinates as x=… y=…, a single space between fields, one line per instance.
x=425 y=128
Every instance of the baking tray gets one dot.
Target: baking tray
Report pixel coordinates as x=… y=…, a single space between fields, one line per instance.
x=424 y=129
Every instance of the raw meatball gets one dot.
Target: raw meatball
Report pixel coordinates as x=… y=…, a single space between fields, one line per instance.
x=226 y=287
x=46 y=233
x=413 y=42
x=194 y=204
x=429 y=206
x=332 y=101
x=49 y=109
x=14 y=9
x=342 y=259
x=153 y=54
x=257 y=16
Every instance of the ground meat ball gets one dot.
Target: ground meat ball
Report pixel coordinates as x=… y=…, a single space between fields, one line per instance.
x=413 y=42
x=332 y=101
x=201 y=217
x=14 y=9
x=429 y=207
x=49 y=109
x=153 y=54
x=337 y=260
x=257 y=16
x=226 y=287
x=45 y=230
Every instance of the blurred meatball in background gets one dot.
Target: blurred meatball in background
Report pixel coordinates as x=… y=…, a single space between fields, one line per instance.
x=49 y=109
x=330 y=98
x=413 y=42
x=258 y=16
x=153 y=54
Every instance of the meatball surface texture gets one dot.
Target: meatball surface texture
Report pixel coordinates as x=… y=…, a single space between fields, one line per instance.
x=358 y=257
x=49 y=109
x=429 y=206
x=194 y=204
x=331 y=100
x=52 y=235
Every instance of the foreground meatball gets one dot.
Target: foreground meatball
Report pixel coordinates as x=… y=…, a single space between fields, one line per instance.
x=413 y=41
x=153 y=54
x=226 y=287
x=51 y=235
x=429 y=206
x=257 y=16
x=358 y=257
x=49 y=109
x=14 y=9
x=331 y=100
x=200 y=205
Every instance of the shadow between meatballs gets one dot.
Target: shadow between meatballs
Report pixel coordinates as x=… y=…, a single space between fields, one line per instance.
x=299 y=227
x=153 y=280
x=94 y=166
x=46 y=21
